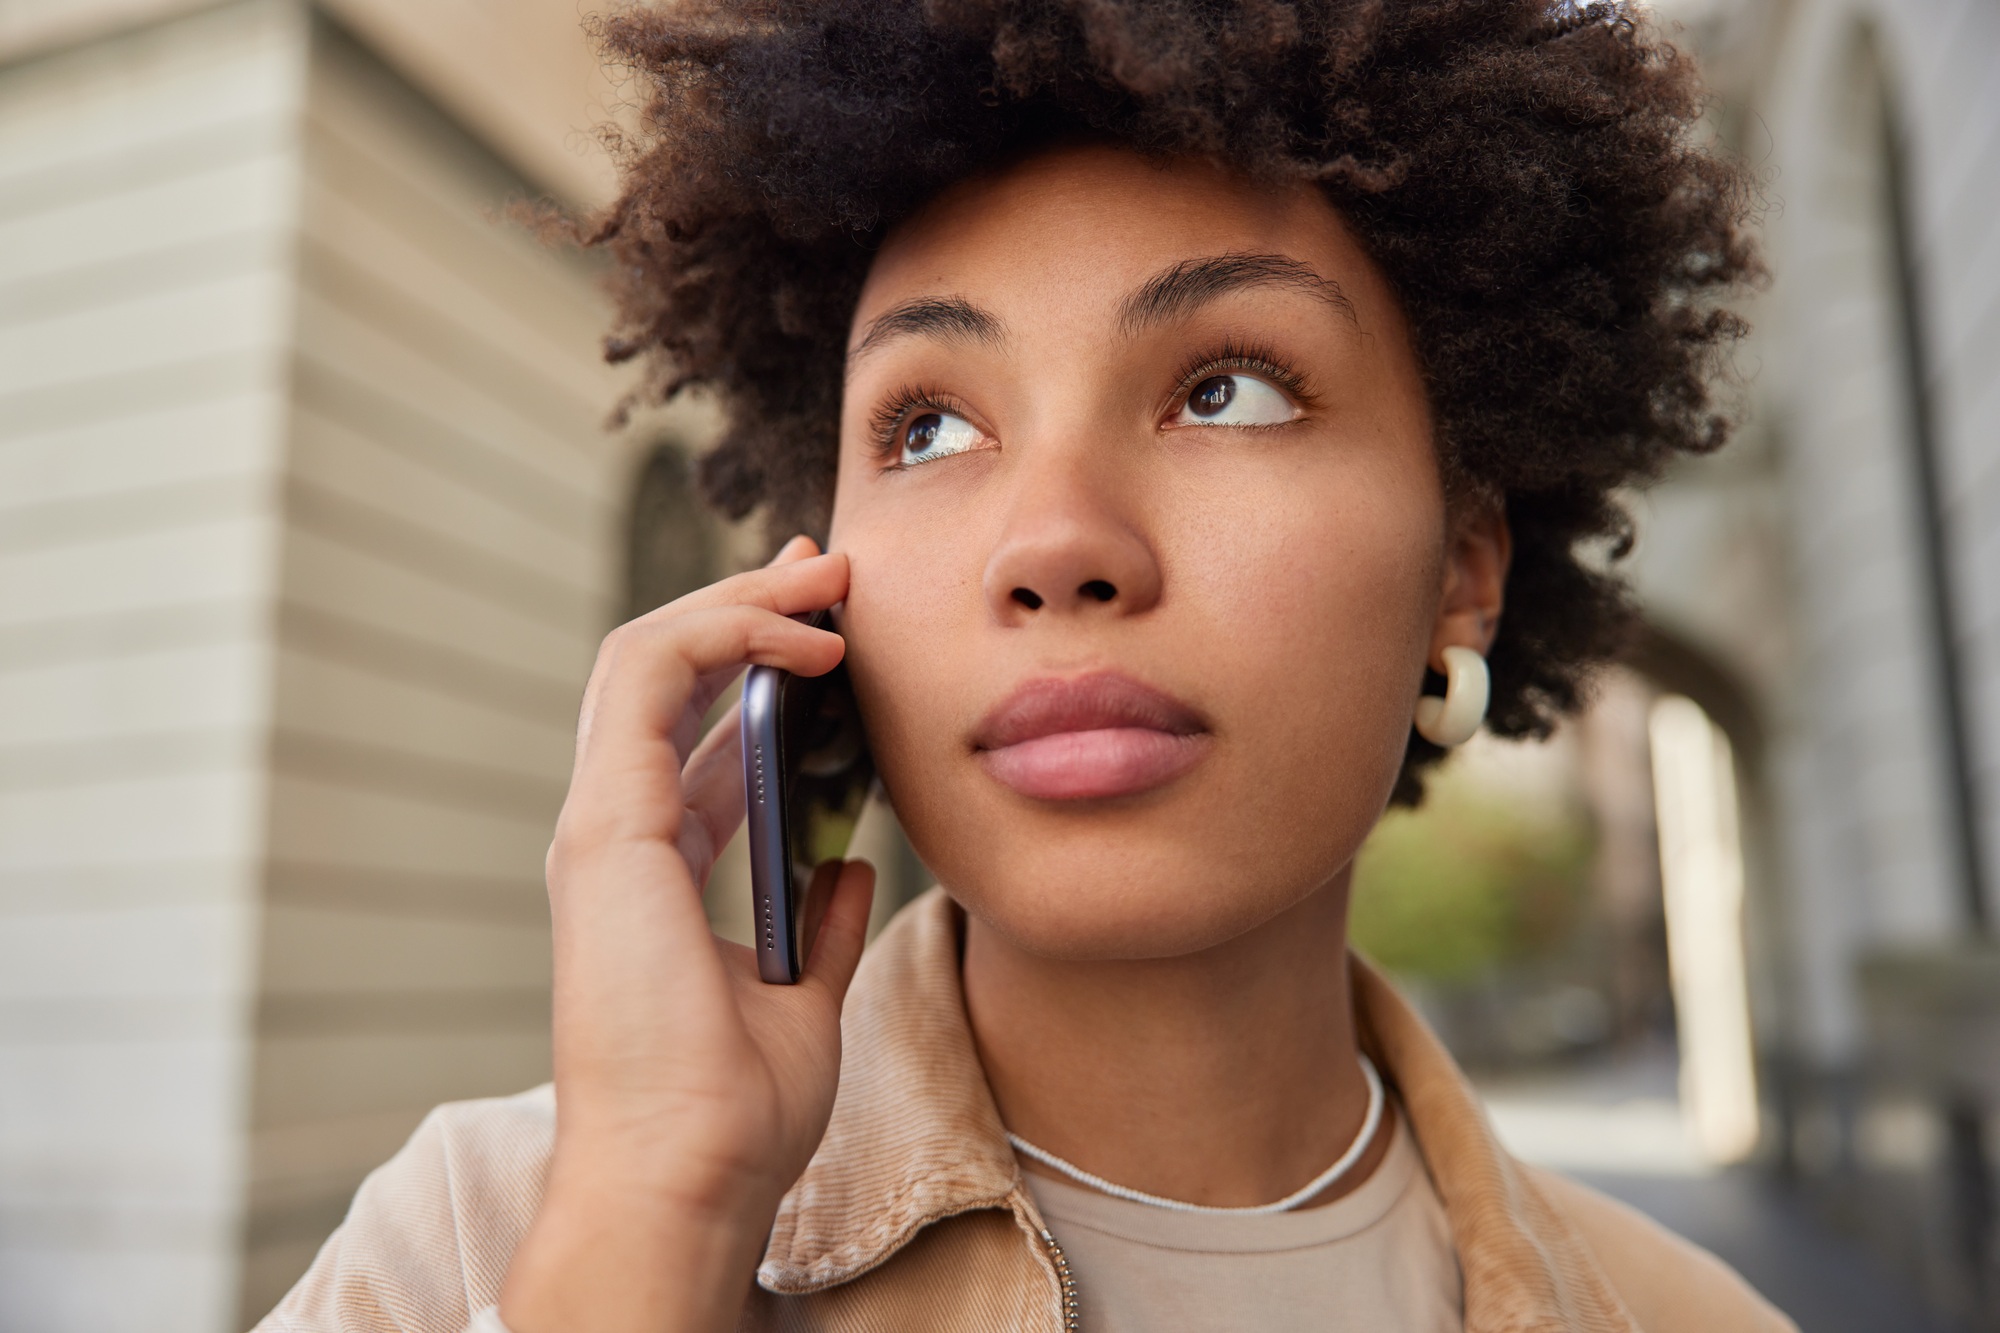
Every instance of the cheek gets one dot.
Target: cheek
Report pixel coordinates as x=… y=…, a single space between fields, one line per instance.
x=1317 y=602
x=913 y=609
x=1322 y=585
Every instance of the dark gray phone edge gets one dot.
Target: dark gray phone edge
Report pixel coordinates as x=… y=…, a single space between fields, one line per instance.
x=771 y=889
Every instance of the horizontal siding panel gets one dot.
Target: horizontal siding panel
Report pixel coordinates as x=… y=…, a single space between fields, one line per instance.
x=315 y=822
x=211 y=437
x=163 y=1280
x=229 y=315
x=176 y=817
x=519 y=380
x=320 y=952
x=170 y=953
x=85 y=889
x=37 y=644
x=453 y=511
x=206 y=687
x=430 y=551
x=136 y=756
x=117 y=1019
x=363 y=889
x=470 y=265
x=84 y=287
x=115 y=515
x=417 y=778
x=126 y=97
x=148 y=189
x=378 y=1067
x=389 y=365
x=402 y=1014
x=359 y=586
x=146 y=232
x=436 y=668
x=44 y=1178
x=79 y=1129
x=222 y=559
x=337 y=700
x=560 y=438
x=118 y=396
x=330 y=1152
x=441 y=442
x=302 y=1177
x=397 y=159
x=364 y=470
x=43 y=1227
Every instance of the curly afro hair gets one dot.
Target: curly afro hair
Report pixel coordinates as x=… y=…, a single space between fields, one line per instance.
x=1524 y=172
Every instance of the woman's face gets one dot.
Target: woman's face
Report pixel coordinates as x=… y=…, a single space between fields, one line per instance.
x=1149 y=548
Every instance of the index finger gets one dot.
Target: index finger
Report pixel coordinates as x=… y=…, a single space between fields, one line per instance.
x=792 y=584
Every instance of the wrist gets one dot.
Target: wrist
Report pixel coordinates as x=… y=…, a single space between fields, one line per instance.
x=612 y=1253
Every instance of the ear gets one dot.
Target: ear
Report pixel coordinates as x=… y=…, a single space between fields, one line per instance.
x=1477 y=554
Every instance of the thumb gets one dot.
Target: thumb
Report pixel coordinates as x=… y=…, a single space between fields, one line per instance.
x=836 y=949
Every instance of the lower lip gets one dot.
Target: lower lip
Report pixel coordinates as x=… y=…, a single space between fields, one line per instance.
x=1093 y=765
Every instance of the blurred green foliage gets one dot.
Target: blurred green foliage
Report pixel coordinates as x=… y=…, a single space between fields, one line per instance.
x=1476 y=880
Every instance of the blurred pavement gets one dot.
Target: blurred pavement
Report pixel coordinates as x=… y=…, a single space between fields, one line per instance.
x=1617 y=1127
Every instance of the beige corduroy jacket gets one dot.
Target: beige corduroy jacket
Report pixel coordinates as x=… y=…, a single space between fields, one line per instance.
x=913 y=1214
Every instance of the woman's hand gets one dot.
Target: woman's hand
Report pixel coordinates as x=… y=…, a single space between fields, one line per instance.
x=689 y=1094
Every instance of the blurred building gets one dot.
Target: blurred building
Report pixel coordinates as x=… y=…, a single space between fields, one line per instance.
x=1829 y=590
x=309 y=526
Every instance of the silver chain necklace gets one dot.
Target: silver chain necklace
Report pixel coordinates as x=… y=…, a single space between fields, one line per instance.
x=1354 y=1153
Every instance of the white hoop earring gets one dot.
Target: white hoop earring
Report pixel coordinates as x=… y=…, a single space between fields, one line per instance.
x=1453 y=719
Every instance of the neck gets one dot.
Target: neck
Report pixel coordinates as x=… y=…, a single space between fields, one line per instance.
x=1227 y=1077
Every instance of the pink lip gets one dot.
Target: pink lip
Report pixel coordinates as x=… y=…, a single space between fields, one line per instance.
x=1089 y=738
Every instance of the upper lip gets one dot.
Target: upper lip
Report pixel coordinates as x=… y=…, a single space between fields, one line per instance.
x=1102 y=699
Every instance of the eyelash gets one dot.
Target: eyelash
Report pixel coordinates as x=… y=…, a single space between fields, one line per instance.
x=887 y=421
x=1255 y=358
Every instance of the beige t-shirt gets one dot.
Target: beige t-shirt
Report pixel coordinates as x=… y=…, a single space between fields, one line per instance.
x=1377 y=1260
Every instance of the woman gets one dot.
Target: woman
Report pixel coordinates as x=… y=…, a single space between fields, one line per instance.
x=1182 y=388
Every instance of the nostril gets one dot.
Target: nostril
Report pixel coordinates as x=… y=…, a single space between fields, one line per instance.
x=1028 y=597
x=1098 y=590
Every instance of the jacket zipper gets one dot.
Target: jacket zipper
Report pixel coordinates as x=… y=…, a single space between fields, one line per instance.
x=1071 y=1320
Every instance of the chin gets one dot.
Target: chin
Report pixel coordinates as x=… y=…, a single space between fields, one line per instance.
x=1186 y=867
x=1088 y=890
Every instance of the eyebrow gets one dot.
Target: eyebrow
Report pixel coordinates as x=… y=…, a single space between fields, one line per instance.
x=947 y=318
x=1192 y=283
x=1167 y=295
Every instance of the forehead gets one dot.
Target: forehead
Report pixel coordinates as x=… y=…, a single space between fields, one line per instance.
x=1075 y=230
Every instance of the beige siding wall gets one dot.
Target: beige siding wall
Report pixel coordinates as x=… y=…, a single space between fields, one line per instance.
x=147 y=188
x=309 y=529
x=453 y=508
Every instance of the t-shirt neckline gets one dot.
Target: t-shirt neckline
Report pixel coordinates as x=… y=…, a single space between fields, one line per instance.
x=1070 y=1205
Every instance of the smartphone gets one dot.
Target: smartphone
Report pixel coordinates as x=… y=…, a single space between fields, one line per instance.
x=806 y=775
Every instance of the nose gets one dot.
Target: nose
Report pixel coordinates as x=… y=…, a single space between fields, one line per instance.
x=1068 y=548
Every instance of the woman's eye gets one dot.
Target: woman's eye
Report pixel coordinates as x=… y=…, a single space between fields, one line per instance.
x=1235 y=400
x=936 y=435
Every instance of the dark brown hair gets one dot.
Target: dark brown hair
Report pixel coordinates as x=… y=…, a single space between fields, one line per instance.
x=1525 y=172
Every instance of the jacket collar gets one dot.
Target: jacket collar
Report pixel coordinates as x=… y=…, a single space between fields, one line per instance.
x=915 y=1135
x=915 y=1138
